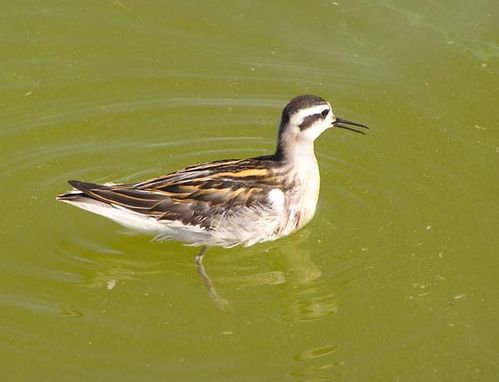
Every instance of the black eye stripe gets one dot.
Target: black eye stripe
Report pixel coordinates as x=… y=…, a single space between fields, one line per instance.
x=324 y=113
x=309 y=121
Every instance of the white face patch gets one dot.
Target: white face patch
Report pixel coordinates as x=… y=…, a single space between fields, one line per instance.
x=319 y=126
x=298 y=117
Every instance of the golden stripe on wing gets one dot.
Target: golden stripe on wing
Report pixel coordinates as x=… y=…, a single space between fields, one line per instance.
x=243 y=173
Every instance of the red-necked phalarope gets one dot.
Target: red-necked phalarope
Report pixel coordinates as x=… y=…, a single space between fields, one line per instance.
x=228 y=202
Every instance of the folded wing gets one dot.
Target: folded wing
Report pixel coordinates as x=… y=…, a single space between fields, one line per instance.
x=197 y=195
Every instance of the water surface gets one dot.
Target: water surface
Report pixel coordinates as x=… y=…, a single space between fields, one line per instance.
x=394 y=279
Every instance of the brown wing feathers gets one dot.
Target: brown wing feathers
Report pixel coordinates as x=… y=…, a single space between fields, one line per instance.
x=194 y=195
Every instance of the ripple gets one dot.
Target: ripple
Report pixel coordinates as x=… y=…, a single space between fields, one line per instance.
x=34 y=304
x=112 y=272
x=93 y=262
x=318 y=352
x=45 y=157
x=42 y=155
x=226 y=139
x=84 y=111
x=310 y=302
x=316 y=365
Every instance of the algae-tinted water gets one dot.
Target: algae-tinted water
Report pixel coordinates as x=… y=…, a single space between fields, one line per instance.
x=396 y=278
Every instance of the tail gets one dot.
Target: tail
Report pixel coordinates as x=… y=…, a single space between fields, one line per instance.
x=100 y=199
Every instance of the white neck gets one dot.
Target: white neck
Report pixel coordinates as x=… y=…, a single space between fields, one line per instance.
x=299 y=158
x=295 y=151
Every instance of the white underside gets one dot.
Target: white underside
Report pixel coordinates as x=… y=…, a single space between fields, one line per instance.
x=247 y=227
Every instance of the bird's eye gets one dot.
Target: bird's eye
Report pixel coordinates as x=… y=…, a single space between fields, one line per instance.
x=324 y=113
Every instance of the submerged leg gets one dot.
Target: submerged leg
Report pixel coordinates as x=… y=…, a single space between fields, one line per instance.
x=199 y=256
x=221 y=302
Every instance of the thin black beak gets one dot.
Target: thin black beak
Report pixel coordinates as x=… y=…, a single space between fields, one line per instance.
x=339 y=122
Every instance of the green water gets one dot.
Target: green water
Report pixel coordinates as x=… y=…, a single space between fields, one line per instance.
x=396 y=278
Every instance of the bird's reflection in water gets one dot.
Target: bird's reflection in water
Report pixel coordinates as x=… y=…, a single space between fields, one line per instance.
x=305 y=295
x=288 y=263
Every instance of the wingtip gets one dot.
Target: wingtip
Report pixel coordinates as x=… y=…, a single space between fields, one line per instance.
x=85 y=187
x=79 y=189
x=75 y=183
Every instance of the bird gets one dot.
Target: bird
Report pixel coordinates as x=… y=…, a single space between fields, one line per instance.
x=229 y=202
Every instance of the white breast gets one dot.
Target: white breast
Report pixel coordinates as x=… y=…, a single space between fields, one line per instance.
x=309 y=196
x=301 y=200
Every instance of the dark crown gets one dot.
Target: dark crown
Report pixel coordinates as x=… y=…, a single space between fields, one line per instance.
x=298 y=103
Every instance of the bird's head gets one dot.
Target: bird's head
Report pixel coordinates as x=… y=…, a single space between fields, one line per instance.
x=305 y=118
